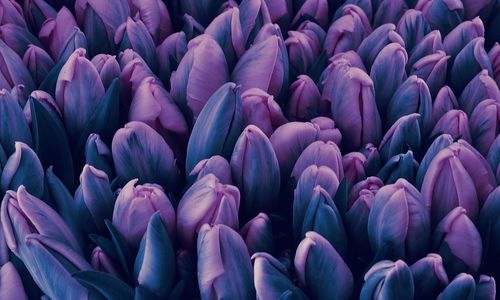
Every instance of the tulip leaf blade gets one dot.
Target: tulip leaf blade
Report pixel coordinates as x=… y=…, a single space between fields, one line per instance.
x=122 y=251
x=49 y=83
x=341 y=197
x=109 y=286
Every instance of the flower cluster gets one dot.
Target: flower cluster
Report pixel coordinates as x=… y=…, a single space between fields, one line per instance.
x=249 y=149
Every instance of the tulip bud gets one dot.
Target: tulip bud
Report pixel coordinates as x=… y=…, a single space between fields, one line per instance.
x=12 y=13
x=254 y=14
x=224 y=266
x=353 y=164
x=486 y=288
x=305 y=100
x=99 y=23
x=399 y=203
x=388 y=73
x=260 y=109
x=38 y=62
x=194 y=81
x=445 y=101
x=11 y=285
x=494 y=157
x=388 y=280
x=139 y=152
x=483 y=125
x=36 y=12
x=339 y=64
x=461 y=35
x=430 y=44
x=134 y=207
x=444 y=15
x=432 y=68
x=317 y=10
x=402 y=165
x=429 y=276
x=373 y=162
x=320 y=280
x=389 y=11
x=15 y=127
x=321 y=154
x=303 y=51
x=55 y=31
x=170 y=53
x=154 y=15
x=258 y=234
x=256 y=171
x=133 y=73
x=371 y=46
x=13 y=71
x=412 y=27
x=102 y=263
x=217 y=127
x=454 y=123
x=348 y=32
x=404 y=135
x=437 y=145
x=76 y=39
x=272 y=280
x=18 y=38
x=108 y=68
x=98 y=155
x=480 y=88
x=327 y=130
x=216 y=165
x=461 y=287
x=369 y=185
x=458 y=242
x=494 y=56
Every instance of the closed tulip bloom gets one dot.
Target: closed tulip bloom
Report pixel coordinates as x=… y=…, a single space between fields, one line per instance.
x=468 y=63
x=354 y=167
x=217 y=127
x=455 y=123
x=305 y=100
x=413 y=96
x=444 y=101
x=348 y=31
x=432 y=68
x=303 y=51
x=98 y=155
x=132 y=74
x=56 y=31
x=480 y=88
x=321 y=154
x=272 y=280
x=444 y=15
x=260 y=109
x=36 y=12
x=134 y=207
x=102 y=263
x=486 y=288
x=194 y=81
x=216 y=165
x=412 y=27
x=15 y=127
x=258 y=234
x=373 y=160
x=376 y=41
x=312 y=30
x=399 y=203
x=437 y=145
x=320 y=280
x=140 y=152
x=76 y=39
x=461 y=35
x=11 y=286
x=18 y=38
x=429 y=276
x=389 y=11
x=494 y=56
x=12 y=13
x=154 y=15
x=487 y=224
x=483 y=125
x=206 y=201
x=461 y=287
x=458 y=242
x=23 y=168
x=47 y=102
x=108 y=68
x=430 y=44
x=254 y=14
x=402 y=165
x=169 y=53
x=38 y=62
x=13 y=71
x=280 y=12
x=99 y=23
x=134 y=34
x=224 y=266
x=327 y=130
x=404 y=135
x=338 y=65
x=388 y=280
x=371 y=184
x=494 y=157
x=317 y=9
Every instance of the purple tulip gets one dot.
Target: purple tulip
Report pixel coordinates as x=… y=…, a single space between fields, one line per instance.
x=13 y=71
x=459 y=243
x=480 y=88
x=98 y=155
x=402 y=165
x=429 y=276
x=206 y=201
x=461 y=287
x=321 y=154
x=303 y=50
x=494 y=56
x=327 y=130
x=412 y=27
x=79 y=77
x=169 y=53
x=216 y=165
x=486 y=288
x=437 y=145
x=133 y=73
x=353 y=164
x=12 y=13
x=312 y=30
x=76 y=39
x=315 y=9
x=36 y=12
x=483 y=125
x=305 y=100
x=108 y=68
x=403 y=135
x=444 y=101
x=102 y=262
x=432 y=68
x=194 y=81
x=258 y=234
x=339 y=64
x=151 y=162
x=134 y=207
x=320 y=280
x=430 y=44
x=56 y=31
x=280 y=12
x=461 y=35
x=99 y=23
x=224 y=266
x=18 y=38
x=260 y=109
x=388 y=280
x=373 y=160
x=15 y=127
x=455 y=123
x=38 y=62
x=389 y=11
x=254 y=14
x=154 y=15
x=11 y=286
x=442 y=14
x=46 y=100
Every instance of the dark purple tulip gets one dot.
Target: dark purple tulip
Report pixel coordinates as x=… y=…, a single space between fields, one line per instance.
x=98 y=155
x=12 y=13
x=412 y=27
x=437 y=145
x=47 y=102
x=486 y=288
x=56 y=31
x=194 y=81
x=154 y=15
x=327 y=130
x=443 y=15
x=191 y=27
x=79 y=77
x=468 y=63
x=480 y=88
x=444 y=101
x=461 y=35
x=320 y=280
x=280 y=12
x=206 y=201
x=11 y=286
x=348 y=31
x=23 y=168
x=254 y=14
x=484 y=125
x=38 y=62
x=494 y=56
x=376 y=41
x=403 y=135
x=134 y=207
x=108 y=68
x=224 y=266
x=315 y=9
x=369 y=185
x=321 y=154
x=260 y=109
x=169 y=53
x=76 y=39
x=14 y=127
x=305 y=100
x=13 y=71
x=133 y=73
x=432 y=68
x=429 y=276
x=303 y=50
x=99 y=23
x=455 y=123
x=353 y=164
x=258 y=234
x=18 y=38
x=256 y=171
x=373 y=160
x=272 y=280
x=458 y=242
x=461 y=287
x=388 y=73
x=388 y=280
x=402 y=165
x=36 y=12
x=389 y=11
x=487 y=224
x=102 y=263
x=430 y=44
x=216 y=165
x=151 y=162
